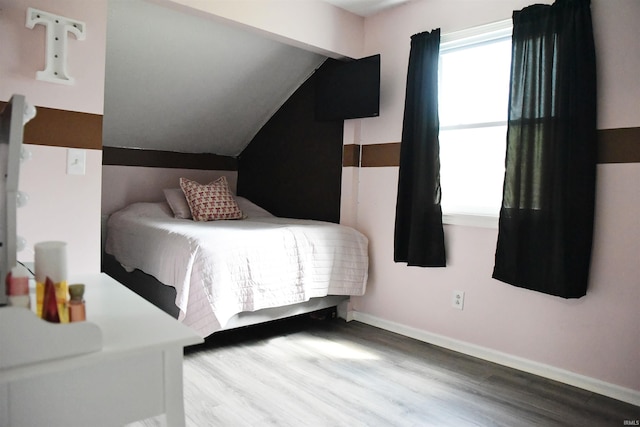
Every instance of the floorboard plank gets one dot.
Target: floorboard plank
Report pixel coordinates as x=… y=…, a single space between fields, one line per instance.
x=310 y=372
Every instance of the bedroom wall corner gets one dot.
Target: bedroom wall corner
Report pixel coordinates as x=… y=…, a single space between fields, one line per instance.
x=598 y=337
x=61 y=206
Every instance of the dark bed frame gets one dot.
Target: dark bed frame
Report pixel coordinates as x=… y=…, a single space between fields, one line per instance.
x=163 y=296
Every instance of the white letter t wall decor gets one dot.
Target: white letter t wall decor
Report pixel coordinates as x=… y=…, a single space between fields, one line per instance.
x=56 y=54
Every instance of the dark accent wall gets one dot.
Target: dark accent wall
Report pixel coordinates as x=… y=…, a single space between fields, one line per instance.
x=293 y=166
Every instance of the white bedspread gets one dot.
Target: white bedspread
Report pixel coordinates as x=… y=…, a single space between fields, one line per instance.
x=222 y=268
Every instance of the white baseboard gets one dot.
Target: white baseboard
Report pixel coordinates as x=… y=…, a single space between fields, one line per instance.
x=567 y=377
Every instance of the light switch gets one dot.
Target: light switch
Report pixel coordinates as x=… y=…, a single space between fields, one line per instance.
x=76 y=161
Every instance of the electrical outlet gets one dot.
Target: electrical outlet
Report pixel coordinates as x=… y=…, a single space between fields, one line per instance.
x=458 y=300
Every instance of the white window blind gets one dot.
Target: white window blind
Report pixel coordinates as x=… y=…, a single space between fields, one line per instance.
x=473 y=101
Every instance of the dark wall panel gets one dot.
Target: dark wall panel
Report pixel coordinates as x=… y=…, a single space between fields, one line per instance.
x=293 y=167
x=166 y=159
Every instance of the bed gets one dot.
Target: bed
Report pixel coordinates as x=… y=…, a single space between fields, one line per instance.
x=228 y=273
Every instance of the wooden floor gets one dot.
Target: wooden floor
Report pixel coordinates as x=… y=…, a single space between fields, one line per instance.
x=312 y=372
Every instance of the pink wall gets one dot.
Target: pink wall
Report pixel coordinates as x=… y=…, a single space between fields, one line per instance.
x=61 y=207
x=595 y=336
x=23 y=54
x=123 y=185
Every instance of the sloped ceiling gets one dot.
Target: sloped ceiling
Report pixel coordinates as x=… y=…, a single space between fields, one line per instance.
x=184 y=83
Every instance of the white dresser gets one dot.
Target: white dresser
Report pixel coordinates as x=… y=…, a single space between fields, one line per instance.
x=124 y=364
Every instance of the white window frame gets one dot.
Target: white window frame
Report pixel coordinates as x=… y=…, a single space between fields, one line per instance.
x=471 y=36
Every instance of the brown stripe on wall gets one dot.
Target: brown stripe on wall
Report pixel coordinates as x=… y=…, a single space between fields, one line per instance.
x=62 y=128
x=614 y=146
x=379 y=155
x=167 y=159
x=351 y=155
x=619 y=145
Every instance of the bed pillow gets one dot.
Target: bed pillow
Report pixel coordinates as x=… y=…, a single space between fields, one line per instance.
x=177 y=203
x=212 y=201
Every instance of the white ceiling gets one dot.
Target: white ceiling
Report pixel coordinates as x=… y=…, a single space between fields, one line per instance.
x=366 y=7
x=178 y=82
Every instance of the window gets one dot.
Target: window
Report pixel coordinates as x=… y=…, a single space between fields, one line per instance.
x=473 y=100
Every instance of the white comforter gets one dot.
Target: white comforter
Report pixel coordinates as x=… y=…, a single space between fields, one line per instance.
x=222 y=268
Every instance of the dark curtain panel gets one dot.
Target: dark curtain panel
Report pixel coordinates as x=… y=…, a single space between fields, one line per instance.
x=419 y=237
x=546 y=220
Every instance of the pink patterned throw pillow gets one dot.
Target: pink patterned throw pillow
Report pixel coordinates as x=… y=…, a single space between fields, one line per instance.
x=212 y=201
